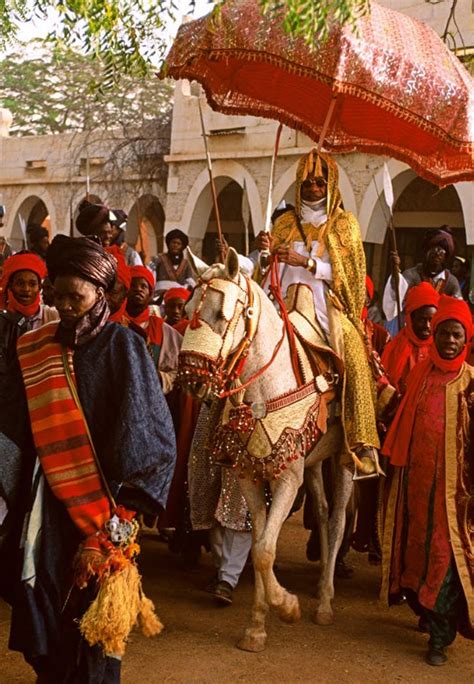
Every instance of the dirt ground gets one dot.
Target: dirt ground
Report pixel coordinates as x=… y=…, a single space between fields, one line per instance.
x=367 y=644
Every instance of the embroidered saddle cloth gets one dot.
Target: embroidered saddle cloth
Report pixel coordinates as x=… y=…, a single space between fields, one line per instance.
x=262 y=438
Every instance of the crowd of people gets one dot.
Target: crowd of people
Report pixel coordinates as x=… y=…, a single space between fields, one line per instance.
x=94 y=427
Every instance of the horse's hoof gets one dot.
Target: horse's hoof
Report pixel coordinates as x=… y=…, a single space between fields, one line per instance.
x=323 y=618
x=252 y=644
x=289 y=611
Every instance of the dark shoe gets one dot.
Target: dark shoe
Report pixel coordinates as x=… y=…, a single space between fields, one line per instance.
x=436 y=656
x=212 y=584
x=223 y=593
x=423 y=625
x=343 y=571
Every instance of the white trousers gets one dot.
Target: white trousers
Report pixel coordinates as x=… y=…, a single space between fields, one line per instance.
x=230 y=550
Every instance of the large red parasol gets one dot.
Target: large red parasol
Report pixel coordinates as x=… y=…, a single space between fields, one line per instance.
x=392 y=87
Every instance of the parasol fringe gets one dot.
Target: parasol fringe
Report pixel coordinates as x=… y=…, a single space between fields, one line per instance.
x=185 y=71
x=372 y=148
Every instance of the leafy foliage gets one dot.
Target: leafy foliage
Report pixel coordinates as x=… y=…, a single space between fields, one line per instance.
x=130 y=35
x=59 y=90
x=312 y=19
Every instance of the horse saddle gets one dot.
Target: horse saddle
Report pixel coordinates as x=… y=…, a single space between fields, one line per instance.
x=314 y=353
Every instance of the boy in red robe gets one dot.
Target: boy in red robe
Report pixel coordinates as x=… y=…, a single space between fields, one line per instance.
x=163 y=341
x=413 y=342
x=428 y=545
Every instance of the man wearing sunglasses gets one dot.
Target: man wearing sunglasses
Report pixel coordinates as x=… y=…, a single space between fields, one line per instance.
x=319 y=244
x=438 y=251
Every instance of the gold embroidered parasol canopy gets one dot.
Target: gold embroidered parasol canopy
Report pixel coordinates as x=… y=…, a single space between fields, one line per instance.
x=391 y=87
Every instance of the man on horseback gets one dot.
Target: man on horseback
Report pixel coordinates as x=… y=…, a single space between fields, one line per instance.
x=319 y=244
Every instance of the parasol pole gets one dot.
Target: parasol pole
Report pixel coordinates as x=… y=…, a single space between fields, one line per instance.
x=388 y=192
x=211 y=180
x=326 y=123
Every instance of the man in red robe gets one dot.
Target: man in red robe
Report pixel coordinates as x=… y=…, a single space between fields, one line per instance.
x=428 y=545
x=413 y=342
x=163 y=341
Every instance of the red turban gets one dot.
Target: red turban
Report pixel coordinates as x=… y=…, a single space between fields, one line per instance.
x=25 y=261
x=420 y=295
x=177 y=293
x=400 y=355
x=143 y=272
x=451 y=309
x=123 y=271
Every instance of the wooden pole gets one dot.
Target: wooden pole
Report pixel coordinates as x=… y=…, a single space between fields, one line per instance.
x=268 y=214
x=211 y=180
x=326 y=123
x=395 y=270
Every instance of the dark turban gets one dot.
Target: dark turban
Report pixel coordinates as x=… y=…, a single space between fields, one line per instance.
x=83 y=258
x=118 y=218
x=177 y=234
x=91 y=217
x=35 y=232
x=441 y=237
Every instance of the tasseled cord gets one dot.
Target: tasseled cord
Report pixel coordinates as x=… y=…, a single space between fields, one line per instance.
x=119 y=605
x=120 y=602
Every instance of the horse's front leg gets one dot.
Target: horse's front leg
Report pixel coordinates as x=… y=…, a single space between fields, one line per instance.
x=342 y=493
x=255 y=635
x=284 y=490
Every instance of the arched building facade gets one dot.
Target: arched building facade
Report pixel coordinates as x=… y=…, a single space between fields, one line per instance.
x=241 y=149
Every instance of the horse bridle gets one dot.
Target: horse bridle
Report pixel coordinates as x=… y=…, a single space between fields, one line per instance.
x=221 y=372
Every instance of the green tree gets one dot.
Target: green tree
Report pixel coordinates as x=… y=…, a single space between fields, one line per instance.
x=58 y=91
x=129 y=35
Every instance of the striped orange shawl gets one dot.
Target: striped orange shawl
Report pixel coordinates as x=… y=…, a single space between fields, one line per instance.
x=60 y=432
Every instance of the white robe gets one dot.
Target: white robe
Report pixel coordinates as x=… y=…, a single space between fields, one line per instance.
x=314 y=213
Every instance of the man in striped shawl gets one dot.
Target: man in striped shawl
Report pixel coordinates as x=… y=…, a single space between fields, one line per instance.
x=102 y=440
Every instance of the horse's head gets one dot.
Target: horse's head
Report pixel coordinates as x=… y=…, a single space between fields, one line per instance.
x=223 y=323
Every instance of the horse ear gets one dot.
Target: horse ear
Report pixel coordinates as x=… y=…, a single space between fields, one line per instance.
x=232 y=263
x=198 y=266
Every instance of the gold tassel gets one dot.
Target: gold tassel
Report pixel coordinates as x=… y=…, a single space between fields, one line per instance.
x=318 y=171
x=114 y=612
x=148 y=620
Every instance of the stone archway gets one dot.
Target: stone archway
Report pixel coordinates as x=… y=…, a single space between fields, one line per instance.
x=238 y=231
x=198 y=207
x=31 y=209
x=419 y=205
x=145 y=226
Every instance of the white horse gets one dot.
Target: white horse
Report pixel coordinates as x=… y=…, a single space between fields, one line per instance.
x=231 y=314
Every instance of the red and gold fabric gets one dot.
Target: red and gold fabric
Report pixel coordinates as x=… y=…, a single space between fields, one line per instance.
x=452 y=515
x=340 y=235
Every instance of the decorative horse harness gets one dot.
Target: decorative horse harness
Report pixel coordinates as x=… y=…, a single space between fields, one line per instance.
x=261 y=438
